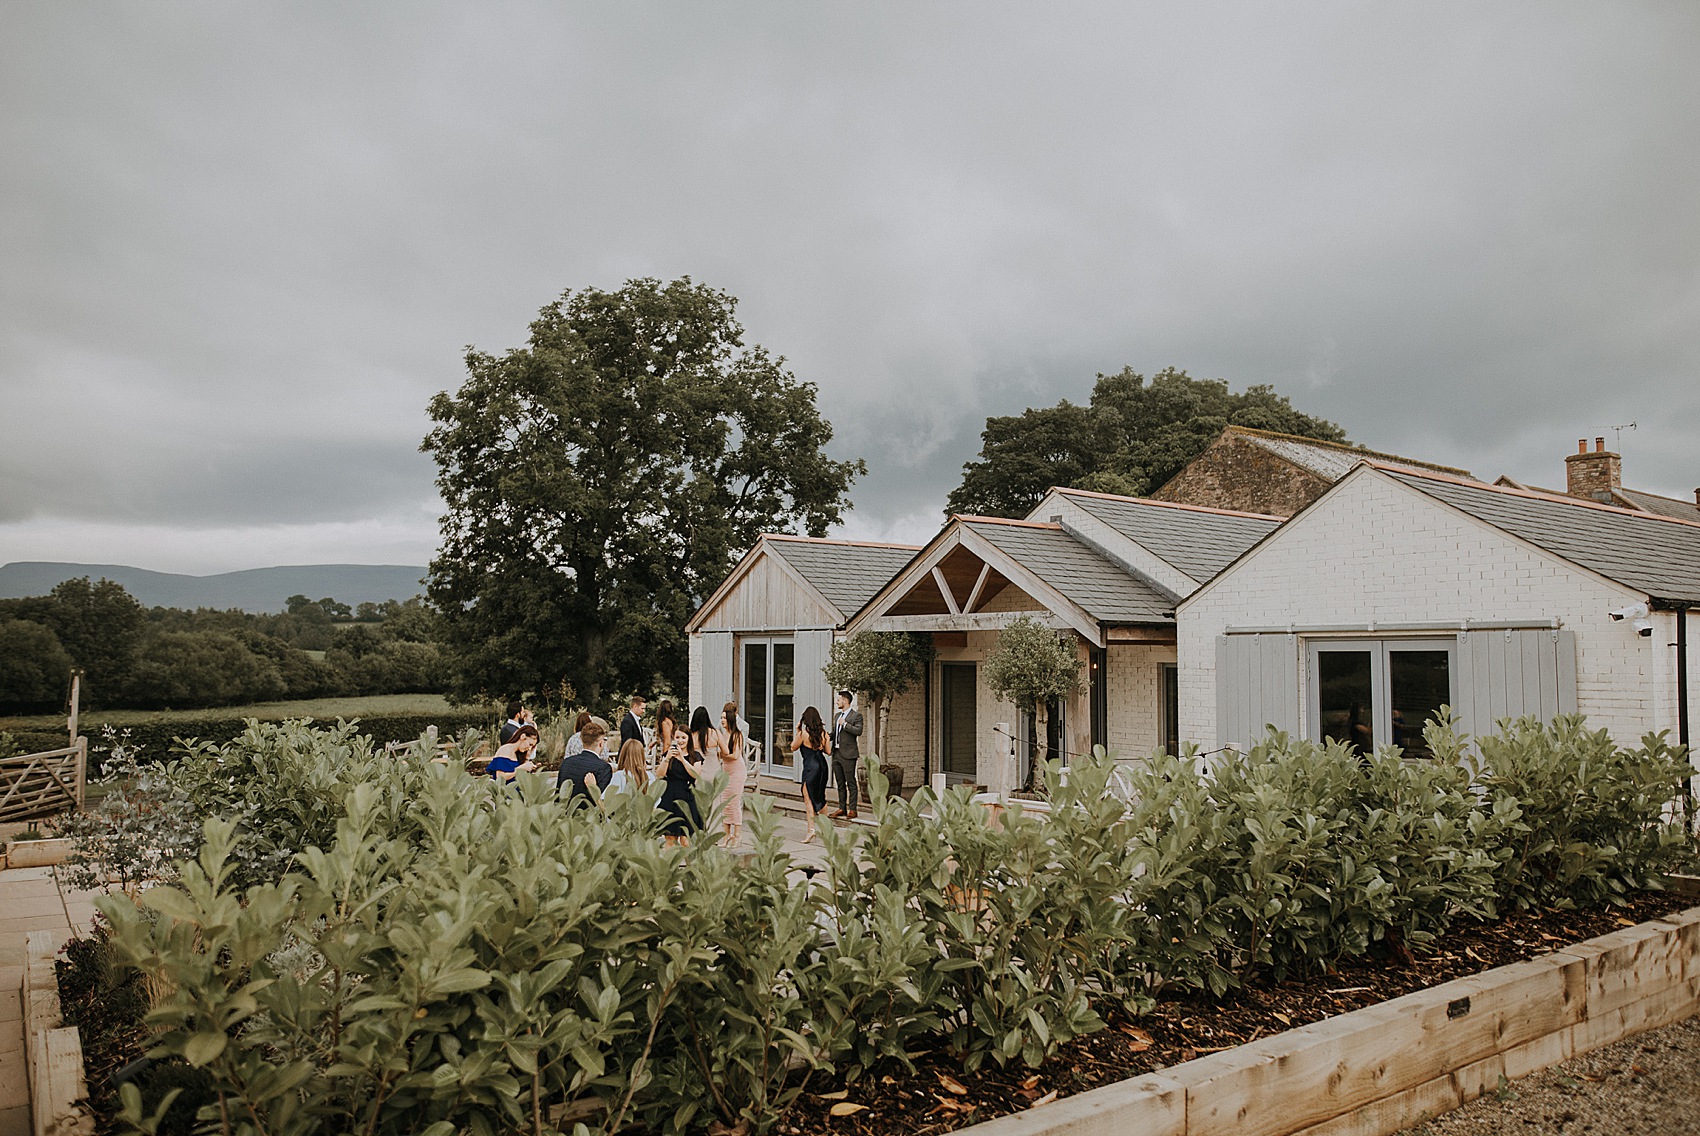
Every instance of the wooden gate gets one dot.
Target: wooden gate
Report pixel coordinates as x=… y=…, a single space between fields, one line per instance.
x=35 y=785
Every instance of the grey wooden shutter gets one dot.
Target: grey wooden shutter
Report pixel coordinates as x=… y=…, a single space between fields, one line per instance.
x=1510 y=674
x=718 y=667
x=812 y=688
x=1257 y=686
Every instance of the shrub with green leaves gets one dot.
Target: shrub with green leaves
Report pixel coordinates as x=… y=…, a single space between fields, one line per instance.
x=363 y=943
x=1589 y=821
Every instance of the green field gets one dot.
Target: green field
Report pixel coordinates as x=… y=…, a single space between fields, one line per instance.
x=324 y=709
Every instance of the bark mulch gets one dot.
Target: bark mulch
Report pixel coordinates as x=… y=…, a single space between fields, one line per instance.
x=940 y=1097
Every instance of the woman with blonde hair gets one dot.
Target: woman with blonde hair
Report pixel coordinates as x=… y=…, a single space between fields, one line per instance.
x=631 y=771
x=732 y=764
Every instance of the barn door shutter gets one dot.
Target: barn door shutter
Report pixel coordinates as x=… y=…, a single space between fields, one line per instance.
x=717 y=672
x=812 y=688
x=1257 y=686
x=1510 y=674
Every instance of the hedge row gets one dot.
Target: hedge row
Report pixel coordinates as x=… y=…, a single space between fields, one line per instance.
x=388 y=946
x=157 y=740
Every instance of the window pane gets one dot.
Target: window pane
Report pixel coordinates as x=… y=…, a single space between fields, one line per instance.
x=1171 y=710
x=1348 y=708
x=755 y=691
x=785 y=708
x=1421 y=683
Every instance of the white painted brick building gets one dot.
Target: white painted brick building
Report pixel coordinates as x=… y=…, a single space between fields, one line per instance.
x=1513 y=588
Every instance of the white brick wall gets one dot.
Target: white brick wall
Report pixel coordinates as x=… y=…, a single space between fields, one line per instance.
x=1377 y=551
x=1134 y=692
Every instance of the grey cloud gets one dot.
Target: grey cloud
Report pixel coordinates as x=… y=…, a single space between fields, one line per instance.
x=254 y=240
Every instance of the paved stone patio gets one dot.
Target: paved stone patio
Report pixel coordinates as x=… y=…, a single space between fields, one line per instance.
x=31 y=899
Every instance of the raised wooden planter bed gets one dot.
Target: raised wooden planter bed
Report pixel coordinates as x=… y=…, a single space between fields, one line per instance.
x=54 y=1053
x=37 y=853
x=1384 y=1068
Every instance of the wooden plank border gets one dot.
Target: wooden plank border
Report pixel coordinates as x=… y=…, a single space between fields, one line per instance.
x=54 y=1053
x=1386 y=1067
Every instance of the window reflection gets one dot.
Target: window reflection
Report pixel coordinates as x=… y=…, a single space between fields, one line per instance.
x=1420 y=684
x=1345 y=686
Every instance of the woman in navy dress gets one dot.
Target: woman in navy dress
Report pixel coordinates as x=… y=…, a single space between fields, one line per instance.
x=680 y=769
x=815 y=745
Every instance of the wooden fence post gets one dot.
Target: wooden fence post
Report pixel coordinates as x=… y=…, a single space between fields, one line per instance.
x=82 y=744
x=76 y=700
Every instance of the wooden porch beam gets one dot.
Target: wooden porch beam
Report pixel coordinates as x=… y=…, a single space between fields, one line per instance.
x=979 y=621
x=979 y=586
x=944 y=590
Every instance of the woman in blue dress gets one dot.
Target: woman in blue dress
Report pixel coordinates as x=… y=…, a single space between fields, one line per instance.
x=815 y=745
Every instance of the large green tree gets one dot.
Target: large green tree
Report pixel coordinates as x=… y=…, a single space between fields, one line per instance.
x=101 y=626
x=1130 y=438
x=601 y=479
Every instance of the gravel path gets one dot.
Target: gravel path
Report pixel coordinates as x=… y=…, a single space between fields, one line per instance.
x=1648 y=1084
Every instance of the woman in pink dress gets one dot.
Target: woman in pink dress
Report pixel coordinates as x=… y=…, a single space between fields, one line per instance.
x=732 y=764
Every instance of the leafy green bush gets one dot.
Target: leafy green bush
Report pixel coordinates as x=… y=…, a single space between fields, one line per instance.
x=1588 y=820
x=386 y=945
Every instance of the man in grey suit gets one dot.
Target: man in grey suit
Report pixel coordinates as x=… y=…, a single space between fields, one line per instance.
x=846 y=729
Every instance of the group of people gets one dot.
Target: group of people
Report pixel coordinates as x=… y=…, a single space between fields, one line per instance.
x=680 y=756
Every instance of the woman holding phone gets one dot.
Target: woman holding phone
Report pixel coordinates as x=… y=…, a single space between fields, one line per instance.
x=680 y=770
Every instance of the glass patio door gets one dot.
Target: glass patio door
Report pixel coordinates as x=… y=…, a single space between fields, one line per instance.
x=1368 y=693
x=769 y=701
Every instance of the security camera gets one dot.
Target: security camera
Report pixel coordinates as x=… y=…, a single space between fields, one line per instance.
x=1637 y=612
x=1643 y=627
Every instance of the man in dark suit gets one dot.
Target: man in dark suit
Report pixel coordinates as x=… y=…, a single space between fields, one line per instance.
x=631 y=726
x=846 y=729
x=518 y=716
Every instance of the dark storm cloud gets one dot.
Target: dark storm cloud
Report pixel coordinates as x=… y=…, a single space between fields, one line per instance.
x=243 y=245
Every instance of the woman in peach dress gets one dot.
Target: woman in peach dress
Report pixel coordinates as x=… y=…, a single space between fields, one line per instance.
x=732 y=764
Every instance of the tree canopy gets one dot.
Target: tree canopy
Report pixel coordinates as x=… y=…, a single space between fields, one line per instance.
x=1130 y=438
x=600 y=479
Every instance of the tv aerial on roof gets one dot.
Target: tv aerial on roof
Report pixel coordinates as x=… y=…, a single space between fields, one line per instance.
x=1617 y=435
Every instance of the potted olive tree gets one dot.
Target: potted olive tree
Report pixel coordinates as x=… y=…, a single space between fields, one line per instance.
x=1030 y=667
x=880 y=665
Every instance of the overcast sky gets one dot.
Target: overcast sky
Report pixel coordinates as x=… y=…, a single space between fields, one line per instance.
x=241 y=245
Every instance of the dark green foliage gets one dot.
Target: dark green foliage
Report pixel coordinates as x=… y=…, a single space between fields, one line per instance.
x=600 y=481
x=101 y=626
x=34 y=667
x=170 y=658
x=192 y=669
x=1132 y=437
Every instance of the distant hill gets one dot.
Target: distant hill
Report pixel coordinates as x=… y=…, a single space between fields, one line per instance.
x=255 y=589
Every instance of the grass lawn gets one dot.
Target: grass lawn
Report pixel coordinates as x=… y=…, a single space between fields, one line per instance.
x=325 y=709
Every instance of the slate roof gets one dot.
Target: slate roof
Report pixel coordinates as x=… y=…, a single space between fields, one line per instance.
x=1093 y=583
x=846 y=573
x=1198 y=542
x=1663 y=506
x=1655 y=556
x=1626 y=498
x=1329 y=460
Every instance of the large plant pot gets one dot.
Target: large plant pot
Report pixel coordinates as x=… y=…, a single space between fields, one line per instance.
x=893 y=777
x=38 y=853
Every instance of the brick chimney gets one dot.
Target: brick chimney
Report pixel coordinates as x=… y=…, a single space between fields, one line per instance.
x=1593 y=476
